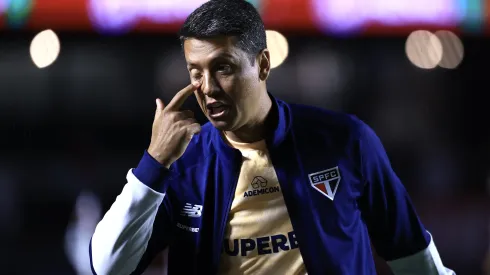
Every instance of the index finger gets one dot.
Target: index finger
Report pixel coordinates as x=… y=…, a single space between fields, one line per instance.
x=180 y=97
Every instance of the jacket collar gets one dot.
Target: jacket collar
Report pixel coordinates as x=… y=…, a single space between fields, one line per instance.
x=278 y=123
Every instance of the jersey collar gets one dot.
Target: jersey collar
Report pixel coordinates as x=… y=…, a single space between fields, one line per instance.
x=278 y=124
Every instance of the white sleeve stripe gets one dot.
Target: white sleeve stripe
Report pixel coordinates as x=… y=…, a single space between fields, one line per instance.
x=425 y=262
x=121 y=237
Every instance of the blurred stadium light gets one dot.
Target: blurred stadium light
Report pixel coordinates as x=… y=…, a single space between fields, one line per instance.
x=330 y=16
x=351 y=15
x=427 y=50
x=45 y=48
x=278 y=47
x=424 y=49
x=118 y=14
x=452 y=47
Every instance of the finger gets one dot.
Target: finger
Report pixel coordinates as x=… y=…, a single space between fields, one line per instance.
x=188 y=113
x=191 y=120
x=194 y=128
x=160 y=105
x=159 y=108
x=180 y=97
x=181 y=116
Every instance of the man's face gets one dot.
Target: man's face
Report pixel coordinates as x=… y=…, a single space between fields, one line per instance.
x=231 y=87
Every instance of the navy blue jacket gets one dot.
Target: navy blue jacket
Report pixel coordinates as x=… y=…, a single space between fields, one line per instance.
x=334 y=236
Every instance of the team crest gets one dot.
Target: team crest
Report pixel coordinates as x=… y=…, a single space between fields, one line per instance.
x=326 y=182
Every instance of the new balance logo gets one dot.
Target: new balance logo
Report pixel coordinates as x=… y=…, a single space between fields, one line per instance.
x=193 y=211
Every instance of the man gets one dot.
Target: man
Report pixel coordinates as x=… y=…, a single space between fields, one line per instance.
x=266 y=187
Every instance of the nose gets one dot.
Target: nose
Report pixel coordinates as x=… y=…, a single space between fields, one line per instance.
x=209 y=86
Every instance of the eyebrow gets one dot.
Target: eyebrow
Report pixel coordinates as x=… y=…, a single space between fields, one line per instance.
x=224 y=55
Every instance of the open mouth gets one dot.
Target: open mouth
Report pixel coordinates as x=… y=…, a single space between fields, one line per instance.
x=217 y=110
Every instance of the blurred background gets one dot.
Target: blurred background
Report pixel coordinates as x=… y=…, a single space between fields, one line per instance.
x=78 y=79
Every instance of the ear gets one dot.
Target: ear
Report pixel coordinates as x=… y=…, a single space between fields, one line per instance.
x=264 y=62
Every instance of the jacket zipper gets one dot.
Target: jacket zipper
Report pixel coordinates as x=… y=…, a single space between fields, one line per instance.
x=225 y=220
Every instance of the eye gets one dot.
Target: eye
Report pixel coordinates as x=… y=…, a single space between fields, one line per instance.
x=195 y=74
x=224 y=68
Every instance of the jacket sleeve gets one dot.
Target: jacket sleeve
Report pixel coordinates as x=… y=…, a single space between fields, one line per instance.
x=137 y=226
x=393 y=224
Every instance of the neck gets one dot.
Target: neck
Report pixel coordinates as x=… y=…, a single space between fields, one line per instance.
x=255 y=129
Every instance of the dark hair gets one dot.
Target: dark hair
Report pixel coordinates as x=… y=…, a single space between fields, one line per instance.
x=237 y=18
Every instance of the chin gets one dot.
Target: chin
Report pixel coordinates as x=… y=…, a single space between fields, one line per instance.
x=222 y=125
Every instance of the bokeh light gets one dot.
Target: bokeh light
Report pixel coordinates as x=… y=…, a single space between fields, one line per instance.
x=453 y=50
x=424 y=49
x=45 y=48
x=278 y=47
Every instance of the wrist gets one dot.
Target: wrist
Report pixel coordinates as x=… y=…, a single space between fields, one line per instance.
x=160 y=158
x=153 y=174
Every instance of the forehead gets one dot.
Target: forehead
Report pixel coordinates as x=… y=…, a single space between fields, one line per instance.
x=199 y=51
